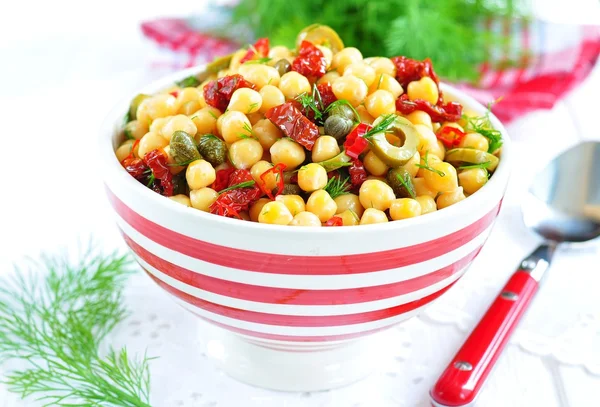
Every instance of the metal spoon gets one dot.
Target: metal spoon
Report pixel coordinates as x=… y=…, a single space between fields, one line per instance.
x=562 y=206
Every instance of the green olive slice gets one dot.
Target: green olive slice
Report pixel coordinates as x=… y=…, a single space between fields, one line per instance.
x=472 y=156
x=391 y=155
x=334 y=163
x=320 y=34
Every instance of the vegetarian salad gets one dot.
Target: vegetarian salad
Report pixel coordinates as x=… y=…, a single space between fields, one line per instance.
x=312 y=136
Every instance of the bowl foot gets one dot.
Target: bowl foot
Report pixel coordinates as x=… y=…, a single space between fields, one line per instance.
x=293 y=366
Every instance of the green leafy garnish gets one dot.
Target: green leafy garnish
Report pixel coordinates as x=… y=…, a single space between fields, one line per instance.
x=259 y=61
x=151 y=180
x=383 y=126
x=379 y=81
x=337 y=186
x=427 y=167
x=54 y=315
x=189 y=82
x=252 y=107
x=214 y=116
x=409 y=187
x=245 y=184
x=483 y=126
x=343 y=102
x=312 y=102
x=482 y=165
x=128 y=134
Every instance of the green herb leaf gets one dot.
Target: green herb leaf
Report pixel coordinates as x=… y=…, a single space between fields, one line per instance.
x=128 y=134
x=343 y=102
x=151 y=180
x=214 y=116
x=483 y=165
x=53 y=317
x=310 y=102
x=483 y=126
x=427 y=167
x=252 y=107
x=337 y=186
x=383 y=126
x=258 y=61
x=245 y=184
x=409 y=187
x=189 y=82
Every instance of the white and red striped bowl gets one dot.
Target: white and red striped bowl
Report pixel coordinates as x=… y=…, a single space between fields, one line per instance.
x=295 y=299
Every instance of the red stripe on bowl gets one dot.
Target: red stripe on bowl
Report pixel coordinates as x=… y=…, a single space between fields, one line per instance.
x=297 y=320
x=292 y=296
x=293 y=264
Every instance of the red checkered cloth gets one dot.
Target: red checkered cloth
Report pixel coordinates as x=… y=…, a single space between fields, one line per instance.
x=551 y=60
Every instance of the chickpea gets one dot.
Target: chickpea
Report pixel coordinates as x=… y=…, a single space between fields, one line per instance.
x=278 y=52
x=325 y=147
x=435 y=180
x=404 y=208
x=244 y=215
x=271 y=97
x=255 y=118
x=327 y=54
x=411 y=165
x=287 y=152
x=364 y=115
x=427 y=204
x=349 y=218
x=329 y=77
x=321 y=204
x=476 y=141
x=305 y=219
x=156 y=106
x=422 y=189
x=382 y=65
x=425 y=88
x=349 y=202
x=135 y=129
x=373 y=215
x=267 y=133
x=200 y=174
x=294 y=203
x=472 y=179
x=361 y=71
x=124 y=150
x=260 y=75
x=312 y=177
x=234 y=125
x=191 y=94
x=236 y=58
x=259 y=169
x=256 y=208
x=376 y=194
x=384 y=81
x=380 y=102
x=245 y=100
x=275 y=213
x=450 y=198
x=158 y=124
x=150 y=141
x=351 y=88
x=346 y=57
x=205 y=120
x=181 y=199
x=178 y=123
x=175 y=169
x=245 y=153
x=292 y=84
x=420 y=117
x=429 y=142
x=190 y=107
x=374 y=165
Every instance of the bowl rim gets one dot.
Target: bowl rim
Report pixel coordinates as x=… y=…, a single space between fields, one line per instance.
x=114 y=172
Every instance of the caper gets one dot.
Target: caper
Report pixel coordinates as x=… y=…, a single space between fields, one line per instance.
x=180 y=185
x=291 y=189
x=401 y=182
x=135 y=103
x=343 y=110
x=283 y=66
x=183 y=148
x=213 y=149
x=338 y=127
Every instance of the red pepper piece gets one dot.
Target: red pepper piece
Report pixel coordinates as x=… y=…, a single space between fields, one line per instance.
x=278 y=170
x=239 y=176
x=357 y=172
x=231 y=203
x=218 y=93
x=310 y=62
x=450 y=136
x=222 y=179
x=136 y=167
x=355 y=143
x=157 y=161
x=326 y=93
x=294 y=124
x=408 y=70
x=335 y=221
x=133 y=146
x=261 y=46
x=174 y=93
x=442 y=112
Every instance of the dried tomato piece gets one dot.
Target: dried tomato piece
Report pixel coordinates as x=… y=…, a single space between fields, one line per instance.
x=310 y=62
x=327 y=96
x=335 y=221
x=222 y=179
x=137 y=168
x=442 y=112
x=156 y=160
x=450 y=136
x=294 y=124
x=261 y=46
x=357 y=172
x=218 y=93
x=408 y=70
x=231 y=203
x=278 y=170
x=355 y=143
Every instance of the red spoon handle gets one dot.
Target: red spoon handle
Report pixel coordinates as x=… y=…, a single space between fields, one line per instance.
x=461 y=381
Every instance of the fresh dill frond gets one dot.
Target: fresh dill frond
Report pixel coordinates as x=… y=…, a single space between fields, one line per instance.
x=259 y=61
x=251 y=108
x=53 y=317
x=483 y=165
x=483 y=126
x=214 y=116
x=382 y=127
x=337 y=186
x=407 y=186
x=245 y=184
x=311 y=102
x=427 y=167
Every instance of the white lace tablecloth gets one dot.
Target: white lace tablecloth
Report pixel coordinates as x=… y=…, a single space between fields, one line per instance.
x=58 y=89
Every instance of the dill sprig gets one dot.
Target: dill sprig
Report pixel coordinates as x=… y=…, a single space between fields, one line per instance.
x=483 y=165
x=54 y=326
x=337 y=186
x=259 y=61
x=312 y=102
x=483 y=126
x=382 y=126
x=245 y=184
x=343 y=102
x=427 y=167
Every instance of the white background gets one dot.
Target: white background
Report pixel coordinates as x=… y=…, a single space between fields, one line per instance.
x=63 y=64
